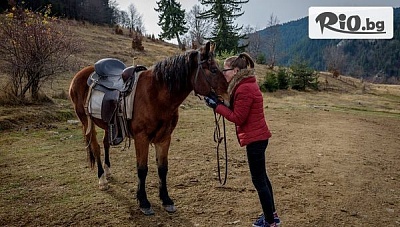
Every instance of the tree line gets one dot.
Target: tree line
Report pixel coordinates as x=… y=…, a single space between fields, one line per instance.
x=371 y=60
x=211 y=20
x=36 y=44
x=94 y=11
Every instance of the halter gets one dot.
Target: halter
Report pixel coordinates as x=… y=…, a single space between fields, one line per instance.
x=199 y=66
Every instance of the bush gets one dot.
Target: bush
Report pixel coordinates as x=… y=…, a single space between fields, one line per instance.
x=261 y=59
x=303 y=77
x=283 y=79
x=270 y=83
x=34 y=48
x=118 y=30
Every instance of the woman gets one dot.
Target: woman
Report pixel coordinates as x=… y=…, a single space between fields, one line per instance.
x=251 y=128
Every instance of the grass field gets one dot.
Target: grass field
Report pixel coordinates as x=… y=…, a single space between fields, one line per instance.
x=333 y=158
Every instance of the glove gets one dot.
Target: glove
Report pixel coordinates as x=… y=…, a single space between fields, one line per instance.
x=210 y=102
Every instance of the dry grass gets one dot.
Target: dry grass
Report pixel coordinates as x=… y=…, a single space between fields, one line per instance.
x=99 y=42
x=333 y=157
x=328 y=163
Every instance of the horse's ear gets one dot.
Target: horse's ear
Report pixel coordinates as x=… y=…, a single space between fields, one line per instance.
x=213 y=47
x=208 y=46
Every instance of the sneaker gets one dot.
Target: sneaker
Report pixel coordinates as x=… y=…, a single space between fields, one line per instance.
x=260 y=221
x=277 y=220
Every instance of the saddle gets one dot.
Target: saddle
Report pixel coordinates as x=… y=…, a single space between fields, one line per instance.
x=110 y=84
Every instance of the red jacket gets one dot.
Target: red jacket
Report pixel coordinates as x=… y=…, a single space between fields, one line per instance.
x=247 y=112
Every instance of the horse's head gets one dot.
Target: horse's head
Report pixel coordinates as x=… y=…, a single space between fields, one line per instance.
x=209 y=79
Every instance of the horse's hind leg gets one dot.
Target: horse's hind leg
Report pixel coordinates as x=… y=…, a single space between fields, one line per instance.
x=107 y=164
x=162 y=163
x=94 y=156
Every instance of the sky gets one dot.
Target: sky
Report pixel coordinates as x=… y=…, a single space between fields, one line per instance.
x=256 y=12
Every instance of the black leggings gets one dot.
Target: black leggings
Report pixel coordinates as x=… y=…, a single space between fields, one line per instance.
x=256 y=159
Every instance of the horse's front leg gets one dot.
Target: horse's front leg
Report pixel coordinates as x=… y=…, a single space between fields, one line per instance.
x=142 y=151
x=107 y=164
x=162 y=163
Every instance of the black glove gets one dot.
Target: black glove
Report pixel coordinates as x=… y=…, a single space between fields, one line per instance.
x=211 y=102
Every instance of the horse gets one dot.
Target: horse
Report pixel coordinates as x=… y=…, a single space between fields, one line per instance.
x=160 y=91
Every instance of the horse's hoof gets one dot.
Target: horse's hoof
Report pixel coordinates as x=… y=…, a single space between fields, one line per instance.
x=103 y=187
x=147 y=211
x=170 y=208
x=107 y=171
x=103 y=183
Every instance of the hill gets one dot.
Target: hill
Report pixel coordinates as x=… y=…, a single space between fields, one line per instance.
x=101 y=42
x=376 y=60
x=333 y=157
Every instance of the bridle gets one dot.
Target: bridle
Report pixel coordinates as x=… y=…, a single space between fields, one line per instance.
x=217 y=131
x=200 y=68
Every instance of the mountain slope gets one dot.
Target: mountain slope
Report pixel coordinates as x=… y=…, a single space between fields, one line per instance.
x=365 y=58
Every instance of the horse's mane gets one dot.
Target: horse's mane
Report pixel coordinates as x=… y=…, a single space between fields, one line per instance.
x=174 y=71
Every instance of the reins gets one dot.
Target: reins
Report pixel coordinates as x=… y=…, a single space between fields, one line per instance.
x=218 y=139
x=217 y=131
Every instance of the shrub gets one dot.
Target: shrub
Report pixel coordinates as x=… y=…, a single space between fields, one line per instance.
x=137 y=42
x=270 y=83
x=118 y=30
x=283 y=79
x=261 y=59
x=303 y=77
x=34 y=48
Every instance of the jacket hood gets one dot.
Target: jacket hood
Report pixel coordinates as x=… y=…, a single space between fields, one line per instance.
x=242 y=74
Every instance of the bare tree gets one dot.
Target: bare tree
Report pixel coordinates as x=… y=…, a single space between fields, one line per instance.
x=136 y=20
x=35 y=48
x=272 y=40
x=199 y=28
x=253 y=41
x=122 y=18
x=335 y=59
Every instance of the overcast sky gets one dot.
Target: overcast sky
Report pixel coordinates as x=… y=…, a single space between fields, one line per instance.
x=256 y=12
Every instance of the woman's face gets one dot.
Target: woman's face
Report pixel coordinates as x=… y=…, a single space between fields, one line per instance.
x=229 y=72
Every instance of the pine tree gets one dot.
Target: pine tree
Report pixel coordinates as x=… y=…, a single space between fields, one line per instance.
x=171 y=19
x=225 y=32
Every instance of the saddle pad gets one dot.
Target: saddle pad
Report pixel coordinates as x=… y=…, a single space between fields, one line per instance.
x=95 y=103
x=129 y=100
x=97 y=97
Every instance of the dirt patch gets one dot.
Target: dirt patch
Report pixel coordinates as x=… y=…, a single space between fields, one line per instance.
x=329 y=166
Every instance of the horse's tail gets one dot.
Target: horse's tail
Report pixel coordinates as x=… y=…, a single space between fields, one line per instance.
x=78 y=93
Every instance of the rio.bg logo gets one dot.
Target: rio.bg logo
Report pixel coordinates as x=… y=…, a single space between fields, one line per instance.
x=350 y=22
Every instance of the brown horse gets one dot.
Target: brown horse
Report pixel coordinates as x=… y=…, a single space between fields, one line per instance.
x=159 y=93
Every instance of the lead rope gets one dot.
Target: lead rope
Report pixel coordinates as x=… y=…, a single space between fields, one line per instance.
x=218 y=139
